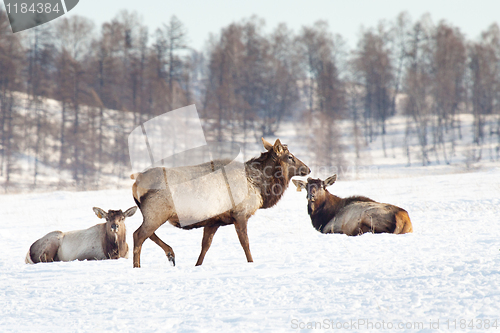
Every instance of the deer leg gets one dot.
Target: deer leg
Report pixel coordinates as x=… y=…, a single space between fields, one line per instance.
x=241 y=230
x=45 y=249
x=208 y=235
x=168 y=250
x=363 y=229
x=140 y=235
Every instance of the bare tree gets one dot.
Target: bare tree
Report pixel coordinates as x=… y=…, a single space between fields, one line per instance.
x=169 y=41
x=40 y=52
x=281 y=90
x=74 y=36
x=10 y=64
x=400 y=40
x=418 y=84
x=374 y=63
x=449 y=63
x=324 y=91
x=224 y=81
x=485 y=83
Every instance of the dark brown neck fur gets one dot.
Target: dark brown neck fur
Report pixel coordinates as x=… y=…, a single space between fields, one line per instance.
x=326 y=208
x=113 y=249
x=270 y=175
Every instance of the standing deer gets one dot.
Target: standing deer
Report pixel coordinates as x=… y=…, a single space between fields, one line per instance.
x=263 y=181
x=102 y=241
x=353 y=215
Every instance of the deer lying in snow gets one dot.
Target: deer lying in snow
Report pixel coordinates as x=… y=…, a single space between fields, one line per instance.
x=102 y=241
x=262 y=181
x=353 y=215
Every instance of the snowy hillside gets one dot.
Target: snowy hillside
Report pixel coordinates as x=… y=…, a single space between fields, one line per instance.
x=397 y=154
x=447 y=270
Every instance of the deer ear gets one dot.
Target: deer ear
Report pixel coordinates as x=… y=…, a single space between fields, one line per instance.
x=278 y=147
x=267 y=145
x=100 y=213
x=131 y=211
x=329 y=181
x=300 y=184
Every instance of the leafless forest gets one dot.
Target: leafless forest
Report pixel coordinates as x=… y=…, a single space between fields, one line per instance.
x=103 y=81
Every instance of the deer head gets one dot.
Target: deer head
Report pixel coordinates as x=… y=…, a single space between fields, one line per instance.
x=315 y=188
x=115 y=220
x=292 y=165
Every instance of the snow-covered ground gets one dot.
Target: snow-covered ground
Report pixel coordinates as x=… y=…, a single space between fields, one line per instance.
x=443 y=277
x=447 y=270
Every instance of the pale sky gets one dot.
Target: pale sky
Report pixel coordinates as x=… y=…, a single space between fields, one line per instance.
x=345 y=17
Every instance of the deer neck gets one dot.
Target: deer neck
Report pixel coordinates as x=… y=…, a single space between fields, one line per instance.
x=113 y=244
x=268 y=175
x=323 y=210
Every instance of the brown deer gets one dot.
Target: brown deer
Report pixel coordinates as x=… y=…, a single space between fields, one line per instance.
x=262 y=181
x=353 y=215
x=102 y=241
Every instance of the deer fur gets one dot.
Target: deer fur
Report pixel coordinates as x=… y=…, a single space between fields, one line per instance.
x=353 y=215
x=262 y=181
x=102 y=241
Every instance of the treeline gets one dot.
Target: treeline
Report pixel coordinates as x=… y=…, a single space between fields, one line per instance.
x=245 y=83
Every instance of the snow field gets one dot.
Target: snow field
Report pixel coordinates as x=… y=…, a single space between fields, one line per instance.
x=448 y=269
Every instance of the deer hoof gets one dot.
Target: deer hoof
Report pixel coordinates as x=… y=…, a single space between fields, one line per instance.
x=171 y=258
